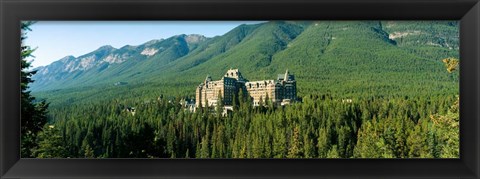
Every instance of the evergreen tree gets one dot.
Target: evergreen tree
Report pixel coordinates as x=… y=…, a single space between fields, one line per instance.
x=309 y=149
x=205 y=148
x=51 y=144
x=279 y=143
x=323 y=144
x=220 y=105
x=34 y=113
x=295 y=150
x=333 y=153
x=89 y=152
x=448 y=125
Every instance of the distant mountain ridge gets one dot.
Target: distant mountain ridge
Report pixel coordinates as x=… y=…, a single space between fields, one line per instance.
x=70 y=68
x=322 y=53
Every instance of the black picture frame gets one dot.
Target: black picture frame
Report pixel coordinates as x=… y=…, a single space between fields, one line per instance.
x=13 y=11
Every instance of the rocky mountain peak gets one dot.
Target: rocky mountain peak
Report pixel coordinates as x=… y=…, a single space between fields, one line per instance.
x=195 y=38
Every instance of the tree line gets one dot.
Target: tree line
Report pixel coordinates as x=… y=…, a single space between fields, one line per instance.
x=319 y=127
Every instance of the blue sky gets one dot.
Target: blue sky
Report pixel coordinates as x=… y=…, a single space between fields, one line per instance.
x=57 y=39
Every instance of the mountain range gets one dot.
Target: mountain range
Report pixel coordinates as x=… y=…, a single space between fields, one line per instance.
x=324 y=55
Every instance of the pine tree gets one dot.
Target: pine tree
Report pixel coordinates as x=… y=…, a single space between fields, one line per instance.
x=89 y=152
x=323 y=143
x=205 y=148
x=51 y=144
x=309 y=149
x=219 y=107
x=34 y=114
x=295 y=150
x=279 y=143
x=447 y=125
x=241 y=98
x=333 y=153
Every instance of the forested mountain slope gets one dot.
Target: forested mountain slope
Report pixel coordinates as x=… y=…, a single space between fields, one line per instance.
x=346 y=58
x=368 y=89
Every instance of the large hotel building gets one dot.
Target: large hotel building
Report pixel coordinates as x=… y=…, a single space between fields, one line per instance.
x=280 y=92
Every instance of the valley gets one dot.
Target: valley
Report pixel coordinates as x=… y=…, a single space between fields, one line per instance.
x=365 y=89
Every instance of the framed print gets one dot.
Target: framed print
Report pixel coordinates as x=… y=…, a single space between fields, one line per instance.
x=243 y=89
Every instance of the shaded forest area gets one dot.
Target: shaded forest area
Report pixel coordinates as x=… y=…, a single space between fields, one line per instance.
x=320 y=127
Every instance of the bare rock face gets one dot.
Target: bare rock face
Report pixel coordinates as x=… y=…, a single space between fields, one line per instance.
x=195 y=38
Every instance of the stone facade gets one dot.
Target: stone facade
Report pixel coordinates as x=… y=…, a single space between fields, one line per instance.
x=280 y=92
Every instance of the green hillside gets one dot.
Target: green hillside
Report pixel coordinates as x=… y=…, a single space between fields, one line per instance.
x=368 y=89
x=340 y=58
